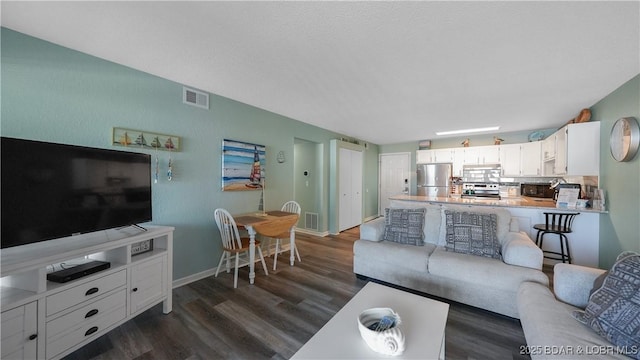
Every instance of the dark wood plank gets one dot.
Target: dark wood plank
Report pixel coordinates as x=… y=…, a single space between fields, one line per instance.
x=274 y=317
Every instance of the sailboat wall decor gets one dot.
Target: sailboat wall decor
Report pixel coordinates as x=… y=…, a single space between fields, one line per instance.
x=243 y=165
x=145 y=140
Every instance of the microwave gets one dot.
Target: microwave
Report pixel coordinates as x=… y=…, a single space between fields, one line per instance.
x=537 y=190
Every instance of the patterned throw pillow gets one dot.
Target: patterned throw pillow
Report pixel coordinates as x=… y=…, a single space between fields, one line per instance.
x=472 y=233
x=613 y=310
x=404 y=226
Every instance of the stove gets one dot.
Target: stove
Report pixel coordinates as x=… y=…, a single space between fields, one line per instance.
x=481 y=190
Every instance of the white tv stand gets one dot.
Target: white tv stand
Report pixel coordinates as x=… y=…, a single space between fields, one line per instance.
x=47 y=320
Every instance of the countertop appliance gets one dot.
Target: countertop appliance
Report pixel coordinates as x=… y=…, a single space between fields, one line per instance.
x=537 y=190
x=481 y=190
x=434 y=179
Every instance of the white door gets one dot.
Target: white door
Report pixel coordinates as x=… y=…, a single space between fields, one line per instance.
x=395 y=179
x=350 y=189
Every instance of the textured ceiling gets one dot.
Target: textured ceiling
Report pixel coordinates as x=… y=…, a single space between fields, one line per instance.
x=383 y=72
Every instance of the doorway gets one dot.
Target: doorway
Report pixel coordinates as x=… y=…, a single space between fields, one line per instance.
x=307 y=183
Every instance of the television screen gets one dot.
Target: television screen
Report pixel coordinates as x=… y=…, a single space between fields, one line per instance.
x=55 y=190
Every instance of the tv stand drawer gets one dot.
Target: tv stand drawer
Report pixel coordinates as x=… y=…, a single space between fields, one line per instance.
x=83 y=292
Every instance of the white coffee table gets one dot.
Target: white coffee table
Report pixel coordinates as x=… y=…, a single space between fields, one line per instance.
x=423 y=324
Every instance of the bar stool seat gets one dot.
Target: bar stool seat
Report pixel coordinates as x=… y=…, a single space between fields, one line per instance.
x=556 y=223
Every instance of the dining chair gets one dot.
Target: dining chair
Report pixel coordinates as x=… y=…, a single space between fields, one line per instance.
x=233 y=244
x=292 y=207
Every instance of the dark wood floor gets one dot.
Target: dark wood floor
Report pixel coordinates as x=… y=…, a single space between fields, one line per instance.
x=274 y=317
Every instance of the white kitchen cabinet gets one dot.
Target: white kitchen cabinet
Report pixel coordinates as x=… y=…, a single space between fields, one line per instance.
x=583 y=149
x=42 y=319
x=458 y=161
x=549 y=148
x=560 y=164
x=20 y=332
x=434 y=156
x=530 y=163
x=510 y=159
x=475 y=155
x=577 y=151
x=423 y=156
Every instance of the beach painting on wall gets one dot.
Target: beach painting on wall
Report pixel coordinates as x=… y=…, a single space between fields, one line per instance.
x=242 y=165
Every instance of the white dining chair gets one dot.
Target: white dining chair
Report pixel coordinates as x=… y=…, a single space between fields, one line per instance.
x=233 y=244
x=292 y=207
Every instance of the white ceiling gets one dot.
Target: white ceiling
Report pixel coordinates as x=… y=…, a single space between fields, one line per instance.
x=382 y=72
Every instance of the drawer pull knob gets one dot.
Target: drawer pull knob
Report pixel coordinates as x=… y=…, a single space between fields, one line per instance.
x=134 y=289
x=91 y=331
x=91 y=313
x=91 y=291
x=33 y=337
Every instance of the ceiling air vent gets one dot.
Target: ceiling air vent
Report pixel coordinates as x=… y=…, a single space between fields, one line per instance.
x=195 y=98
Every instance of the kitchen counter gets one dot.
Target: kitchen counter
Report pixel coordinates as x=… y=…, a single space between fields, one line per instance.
x=584 y=240
x=515 y=202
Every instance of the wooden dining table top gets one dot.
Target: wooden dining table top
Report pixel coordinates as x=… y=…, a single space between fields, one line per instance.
x=256 y=218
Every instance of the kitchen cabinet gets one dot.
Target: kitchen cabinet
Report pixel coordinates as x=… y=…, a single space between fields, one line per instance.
x=44 y=319
x=434 y=156
x=482 y=155
x=577 y=151
x=549 y=148
x=458 y=161
x=510 y=159
x=530 y=164
x=423 y=156
x=520 y=159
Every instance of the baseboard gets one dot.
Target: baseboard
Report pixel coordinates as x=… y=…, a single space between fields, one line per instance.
x=193 y=278
x=370 y=218
x=312 y=232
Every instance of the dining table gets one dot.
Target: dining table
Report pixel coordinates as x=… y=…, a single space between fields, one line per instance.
x=268 y=223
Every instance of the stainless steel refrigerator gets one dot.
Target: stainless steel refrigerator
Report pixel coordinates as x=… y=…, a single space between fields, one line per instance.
x=434 y=179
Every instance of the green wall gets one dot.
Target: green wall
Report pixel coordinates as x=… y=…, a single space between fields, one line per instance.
x=620 y=228
x=52 y=93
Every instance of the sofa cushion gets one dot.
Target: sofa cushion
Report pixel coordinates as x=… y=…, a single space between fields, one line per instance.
x=404 y=226
x=432 y=219
x=472 y=233
x=613 y=310
x=491 y=273
x=390 y=255
x=503 y=217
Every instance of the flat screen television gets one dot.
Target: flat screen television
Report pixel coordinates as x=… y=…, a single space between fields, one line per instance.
x=53 y=190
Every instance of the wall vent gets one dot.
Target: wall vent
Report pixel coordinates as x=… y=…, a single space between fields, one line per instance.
x=195 y=97
x=311 y=221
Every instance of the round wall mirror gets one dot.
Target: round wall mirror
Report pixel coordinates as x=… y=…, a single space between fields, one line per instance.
x=624 y=139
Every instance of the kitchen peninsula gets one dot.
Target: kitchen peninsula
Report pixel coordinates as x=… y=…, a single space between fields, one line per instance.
x=583 y=241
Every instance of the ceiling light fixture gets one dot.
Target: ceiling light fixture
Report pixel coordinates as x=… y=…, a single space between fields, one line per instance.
x=467 y=131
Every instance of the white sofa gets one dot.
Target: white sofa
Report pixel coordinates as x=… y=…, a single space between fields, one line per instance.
x=487 y=283
x=550 y=329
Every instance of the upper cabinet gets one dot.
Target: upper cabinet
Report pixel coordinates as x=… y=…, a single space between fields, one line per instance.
x=510 y=159
x=480 y=155
x=520 y=159
x=577 y=150
x=434 y=156
x=530 y=159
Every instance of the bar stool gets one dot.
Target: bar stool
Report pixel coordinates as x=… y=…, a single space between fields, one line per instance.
x=556 y=223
